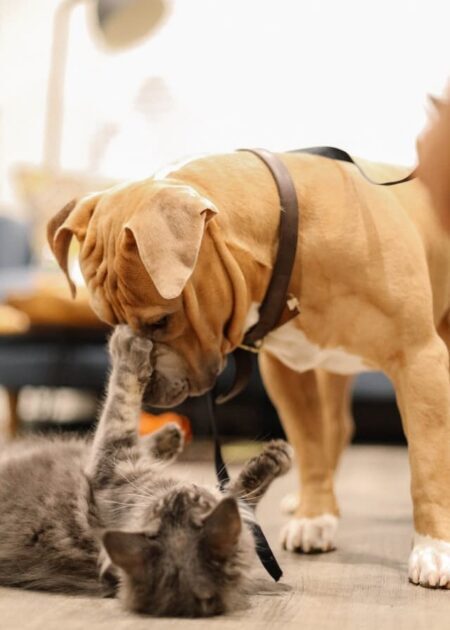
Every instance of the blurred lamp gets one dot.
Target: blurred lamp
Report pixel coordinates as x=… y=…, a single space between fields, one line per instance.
x=121 y=23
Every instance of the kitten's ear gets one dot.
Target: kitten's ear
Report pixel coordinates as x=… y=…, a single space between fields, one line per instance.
x=128 y=551
x=222 y=528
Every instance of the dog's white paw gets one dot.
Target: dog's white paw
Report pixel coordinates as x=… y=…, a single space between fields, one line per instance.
x=310 y=534
x=289 y=503
x=429 y=562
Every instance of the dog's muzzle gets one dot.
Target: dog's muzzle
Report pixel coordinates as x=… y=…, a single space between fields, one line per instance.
x=160 y=392
x=172 y=381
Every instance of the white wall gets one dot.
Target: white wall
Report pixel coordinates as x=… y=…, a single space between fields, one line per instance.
x=24 y=49
x=226 y=73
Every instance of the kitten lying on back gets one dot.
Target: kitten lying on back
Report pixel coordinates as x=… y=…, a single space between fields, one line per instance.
x=103 y=517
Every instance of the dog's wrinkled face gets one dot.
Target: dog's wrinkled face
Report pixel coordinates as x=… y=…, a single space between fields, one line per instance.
x=181 y=364
x=147 y=262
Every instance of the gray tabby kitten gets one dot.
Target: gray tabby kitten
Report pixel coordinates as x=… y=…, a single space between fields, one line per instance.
x=102 y=516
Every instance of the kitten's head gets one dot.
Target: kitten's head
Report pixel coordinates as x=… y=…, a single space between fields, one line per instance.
x=190 y=561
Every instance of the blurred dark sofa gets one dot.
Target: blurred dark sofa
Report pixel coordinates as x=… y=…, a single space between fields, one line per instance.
x=78 y=359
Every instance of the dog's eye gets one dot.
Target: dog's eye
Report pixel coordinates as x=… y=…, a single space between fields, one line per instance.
x=159 y=324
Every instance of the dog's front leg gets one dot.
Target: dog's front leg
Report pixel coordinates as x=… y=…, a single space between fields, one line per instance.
x=422 y=385
x=296 y=397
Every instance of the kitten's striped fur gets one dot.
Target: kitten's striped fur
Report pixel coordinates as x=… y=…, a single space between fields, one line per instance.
x=105 y=516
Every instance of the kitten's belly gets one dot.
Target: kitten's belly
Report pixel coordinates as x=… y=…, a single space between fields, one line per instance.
x=291 y=346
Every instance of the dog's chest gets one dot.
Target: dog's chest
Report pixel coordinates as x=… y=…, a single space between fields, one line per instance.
x=291 y=346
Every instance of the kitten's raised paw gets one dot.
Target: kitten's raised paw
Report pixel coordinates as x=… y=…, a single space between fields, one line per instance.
x=281 y=453
x=166 y=443
x=131 y=352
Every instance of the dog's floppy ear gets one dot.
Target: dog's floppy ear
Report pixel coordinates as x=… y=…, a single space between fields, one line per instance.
x=168 y=233
x=69 y=221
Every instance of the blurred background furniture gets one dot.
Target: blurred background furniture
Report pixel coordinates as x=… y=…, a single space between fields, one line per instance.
x=41 y=356
x=15 y=259
x=51 y=358
x=15 y=249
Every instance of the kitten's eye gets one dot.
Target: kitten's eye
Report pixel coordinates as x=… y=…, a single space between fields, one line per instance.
x=206 y=603
x=209 y=601
x=149 y=536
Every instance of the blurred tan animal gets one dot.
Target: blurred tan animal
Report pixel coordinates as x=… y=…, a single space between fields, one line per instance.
x=433 y=148
x=186 y=259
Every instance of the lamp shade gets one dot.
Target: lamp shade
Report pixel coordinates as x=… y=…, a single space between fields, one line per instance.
x=123 y=22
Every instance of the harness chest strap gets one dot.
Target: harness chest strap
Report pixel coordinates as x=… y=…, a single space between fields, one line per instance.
x=276 y=297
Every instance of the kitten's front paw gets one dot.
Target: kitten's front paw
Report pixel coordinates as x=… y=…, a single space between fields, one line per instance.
x=280 y=453
x=166 y=443
x=429 y=562
x=131 y=352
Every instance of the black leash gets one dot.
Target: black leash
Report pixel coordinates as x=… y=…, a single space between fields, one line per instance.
x=342 y=156
x=221 y=469
x=262 y=547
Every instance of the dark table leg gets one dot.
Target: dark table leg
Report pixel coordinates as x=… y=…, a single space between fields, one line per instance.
x=14 y=420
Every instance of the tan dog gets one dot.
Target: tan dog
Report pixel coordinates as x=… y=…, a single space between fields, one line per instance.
x=187 y=258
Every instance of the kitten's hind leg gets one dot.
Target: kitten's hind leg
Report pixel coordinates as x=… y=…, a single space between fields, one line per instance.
x=260 y=471
x=116 y=437
x=163 y=445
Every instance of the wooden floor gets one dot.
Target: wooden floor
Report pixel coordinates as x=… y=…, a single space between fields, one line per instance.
x=362 y=586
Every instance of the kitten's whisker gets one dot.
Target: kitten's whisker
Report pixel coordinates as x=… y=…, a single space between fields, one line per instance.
x=133 y=485
x=127 y=505
x=251 y=494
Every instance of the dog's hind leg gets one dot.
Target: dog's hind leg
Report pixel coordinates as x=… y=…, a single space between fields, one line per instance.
x=296 y=397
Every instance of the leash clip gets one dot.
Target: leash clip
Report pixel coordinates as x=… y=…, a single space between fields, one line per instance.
x=255 y=347
x=293 y=304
